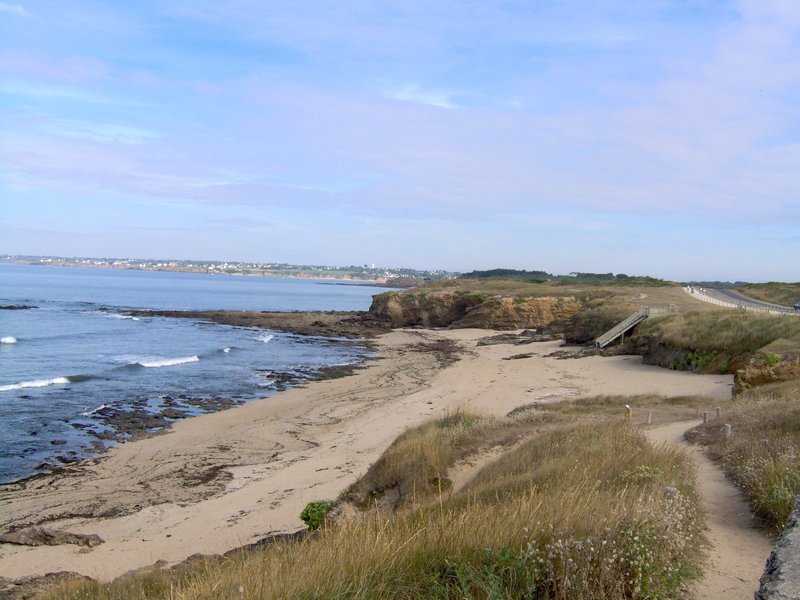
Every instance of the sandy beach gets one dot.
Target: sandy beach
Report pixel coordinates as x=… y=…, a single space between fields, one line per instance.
x=223 y=480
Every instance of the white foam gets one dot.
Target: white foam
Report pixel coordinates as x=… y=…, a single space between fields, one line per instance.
x=94 y=410
x=34 y=384
x=9 y=339
x=226 y=349
x=168 y=362
x=265 y=337
x=127 y=317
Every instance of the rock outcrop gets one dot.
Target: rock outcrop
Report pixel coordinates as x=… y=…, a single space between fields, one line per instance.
x=40 y=536
x=460 y=309
x=760 y=372
x=781 y=578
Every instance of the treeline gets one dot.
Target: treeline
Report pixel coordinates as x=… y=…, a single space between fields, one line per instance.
x=577 y=277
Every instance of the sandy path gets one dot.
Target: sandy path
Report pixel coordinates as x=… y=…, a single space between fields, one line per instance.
x=738 y=551
x=227 y=479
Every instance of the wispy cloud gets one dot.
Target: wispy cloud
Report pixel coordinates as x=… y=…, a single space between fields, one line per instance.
x=100 y=132
x=14 y=9
x=50 y=92
x=414 y=92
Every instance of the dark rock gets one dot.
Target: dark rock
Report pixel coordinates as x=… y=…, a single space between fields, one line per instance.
x=520 y=356
x=781 y=578
x=173 y=413
x=40 y=536
x=31 y=587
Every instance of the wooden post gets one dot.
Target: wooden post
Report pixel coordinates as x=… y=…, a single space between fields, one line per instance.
x=705 y=416
x=728 y=430
x=649 y=417
x=719 y=410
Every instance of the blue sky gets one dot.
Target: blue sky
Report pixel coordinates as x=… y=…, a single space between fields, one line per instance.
x=644 y=137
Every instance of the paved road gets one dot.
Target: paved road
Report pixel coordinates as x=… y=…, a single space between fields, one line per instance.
x=728 y=295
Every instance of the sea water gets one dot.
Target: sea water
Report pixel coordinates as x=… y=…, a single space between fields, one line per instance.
x=76 y=356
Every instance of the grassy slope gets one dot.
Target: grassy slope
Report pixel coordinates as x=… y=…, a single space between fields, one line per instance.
x=616 y=293
x=727 y=331
x=776 y=292
x=575 y=511
x=718 y=341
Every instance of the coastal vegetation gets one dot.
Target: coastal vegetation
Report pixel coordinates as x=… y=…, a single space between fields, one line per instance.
x=762 y=456
x=718 y=341
x=775 y=291
x=568 y=510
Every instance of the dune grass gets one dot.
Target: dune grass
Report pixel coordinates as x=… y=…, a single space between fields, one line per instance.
x=777 y=292
x=763 y=455
x=577 y=511
x=723 y=330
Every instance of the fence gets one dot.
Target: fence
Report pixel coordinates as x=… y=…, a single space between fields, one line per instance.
x=750 y=306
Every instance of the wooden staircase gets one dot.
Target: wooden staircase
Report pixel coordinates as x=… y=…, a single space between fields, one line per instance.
x=622 y=327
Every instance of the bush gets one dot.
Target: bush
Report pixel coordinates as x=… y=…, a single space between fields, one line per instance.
x=315 y=512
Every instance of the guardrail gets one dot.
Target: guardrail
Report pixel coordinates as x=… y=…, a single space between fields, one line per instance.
x=700 y=294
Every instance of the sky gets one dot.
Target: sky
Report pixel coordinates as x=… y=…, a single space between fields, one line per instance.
x=657 y=137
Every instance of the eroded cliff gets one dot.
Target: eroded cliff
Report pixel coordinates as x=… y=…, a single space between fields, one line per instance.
x=461 y=309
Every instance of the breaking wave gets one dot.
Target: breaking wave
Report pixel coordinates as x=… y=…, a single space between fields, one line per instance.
x=35 y=383
x=167 y=362
x=9 y=339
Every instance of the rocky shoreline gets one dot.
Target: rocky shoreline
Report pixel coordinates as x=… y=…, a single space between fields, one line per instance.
x=337 y=324
x=110 y=425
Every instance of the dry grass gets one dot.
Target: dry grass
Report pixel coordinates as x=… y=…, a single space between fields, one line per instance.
x=776 y=292
x=636 y=296
x=727 y=331
x=579 y=511
x=763 y=455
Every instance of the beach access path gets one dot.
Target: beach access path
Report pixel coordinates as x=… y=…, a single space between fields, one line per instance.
x=738 y=550
x=224 y=480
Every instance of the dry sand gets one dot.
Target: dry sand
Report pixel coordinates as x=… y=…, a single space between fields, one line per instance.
x=227 y=479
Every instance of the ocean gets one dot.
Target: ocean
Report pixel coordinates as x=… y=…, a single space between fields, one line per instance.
x=77 y=374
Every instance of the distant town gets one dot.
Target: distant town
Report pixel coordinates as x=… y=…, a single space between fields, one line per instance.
x=364 y=272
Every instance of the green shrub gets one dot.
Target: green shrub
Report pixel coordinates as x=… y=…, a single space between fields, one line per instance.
x=694 y=360
x=315 y=512
x=768 y=358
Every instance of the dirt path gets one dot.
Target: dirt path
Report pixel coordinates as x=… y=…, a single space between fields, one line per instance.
x=738 y=550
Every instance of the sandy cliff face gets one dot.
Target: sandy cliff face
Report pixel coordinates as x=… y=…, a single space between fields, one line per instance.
x=760 y=373
x=458 y=309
